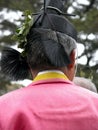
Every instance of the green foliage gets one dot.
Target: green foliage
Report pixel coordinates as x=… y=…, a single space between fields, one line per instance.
x=22 y=32
x=21 y=5
x=84 y=71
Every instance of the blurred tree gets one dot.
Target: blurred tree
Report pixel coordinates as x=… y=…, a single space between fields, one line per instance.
x=10 y=18
x=86 y=23
x=3 y=83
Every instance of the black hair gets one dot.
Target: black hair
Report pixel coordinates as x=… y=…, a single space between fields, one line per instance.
x=13 y=64
x=43 y=50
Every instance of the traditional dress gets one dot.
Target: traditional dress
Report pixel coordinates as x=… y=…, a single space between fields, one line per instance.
x=50 y=102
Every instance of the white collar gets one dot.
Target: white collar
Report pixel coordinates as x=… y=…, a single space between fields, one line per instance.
x=47 y=71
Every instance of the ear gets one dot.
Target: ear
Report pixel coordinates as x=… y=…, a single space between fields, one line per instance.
x=72 y=58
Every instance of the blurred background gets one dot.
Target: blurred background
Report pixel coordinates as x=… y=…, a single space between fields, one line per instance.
x=85 y=21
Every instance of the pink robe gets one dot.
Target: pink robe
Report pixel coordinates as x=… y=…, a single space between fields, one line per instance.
x=49 y=104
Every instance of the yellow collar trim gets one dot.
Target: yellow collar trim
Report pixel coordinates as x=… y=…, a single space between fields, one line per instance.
x=50 y=75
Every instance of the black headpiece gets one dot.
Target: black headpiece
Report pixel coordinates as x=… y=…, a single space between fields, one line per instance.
x=52 y=17
x=58 y=37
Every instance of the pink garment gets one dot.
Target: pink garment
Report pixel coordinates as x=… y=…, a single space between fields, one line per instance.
x=52 y=104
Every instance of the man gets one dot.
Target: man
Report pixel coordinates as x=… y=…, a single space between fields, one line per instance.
x=51 y=101
x=85 y=83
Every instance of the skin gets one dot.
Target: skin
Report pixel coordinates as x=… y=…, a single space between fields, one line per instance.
x=69 y=71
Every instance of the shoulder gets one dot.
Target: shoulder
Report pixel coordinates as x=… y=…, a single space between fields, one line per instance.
x=13 y=108
x=9 y=100
x=15 y=95
x=17 y=98
x=13 y=98
x=86 y=95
